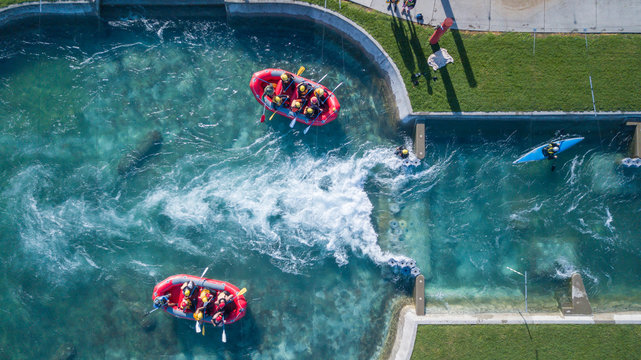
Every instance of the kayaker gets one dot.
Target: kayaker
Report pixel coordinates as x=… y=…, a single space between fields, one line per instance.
x=550 y=150
x=402 y=152
x=223 y=298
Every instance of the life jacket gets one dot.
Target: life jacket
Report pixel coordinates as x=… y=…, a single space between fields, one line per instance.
x=185 y=304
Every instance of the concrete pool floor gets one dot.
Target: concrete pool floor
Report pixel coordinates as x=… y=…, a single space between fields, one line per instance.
x=548 y=16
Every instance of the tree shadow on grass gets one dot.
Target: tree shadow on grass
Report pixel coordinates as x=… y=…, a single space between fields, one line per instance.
x=449 y=87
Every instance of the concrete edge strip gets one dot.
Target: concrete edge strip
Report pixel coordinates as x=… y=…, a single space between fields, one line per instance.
x=408 y=323
x=30 y=9
x=338 y=22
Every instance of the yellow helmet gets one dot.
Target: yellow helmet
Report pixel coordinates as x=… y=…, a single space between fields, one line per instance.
x=284 y=77
x=204 y=293
x=309 y=110
x=405 y=152
x=302 y=88
x=277 y=99
x=319 y=92
x=198 y=316
x=297 y=104
x=187 y=292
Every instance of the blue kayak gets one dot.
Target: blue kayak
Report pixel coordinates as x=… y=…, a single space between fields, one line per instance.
x=537 y=153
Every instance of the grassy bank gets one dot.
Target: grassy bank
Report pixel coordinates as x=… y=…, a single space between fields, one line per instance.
x=499 y=72
x=4 y=3
x=603 y=341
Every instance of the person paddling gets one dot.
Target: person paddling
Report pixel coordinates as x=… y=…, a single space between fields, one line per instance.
x=550 y=150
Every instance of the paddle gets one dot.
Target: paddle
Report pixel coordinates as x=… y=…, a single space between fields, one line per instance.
x=262 y=117
x=241 y=292
x=201 y=284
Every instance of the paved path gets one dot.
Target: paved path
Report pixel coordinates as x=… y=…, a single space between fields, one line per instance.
x=527 y=15
x=408 y=322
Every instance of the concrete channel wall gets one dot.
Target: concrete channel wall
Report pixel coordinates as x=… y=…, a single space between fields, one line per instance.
x=31 y=9
x=339 y=23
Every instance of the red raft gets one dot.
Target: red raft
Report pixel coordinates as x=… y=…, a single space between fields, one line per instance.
x=170 y=288
x=328 y=104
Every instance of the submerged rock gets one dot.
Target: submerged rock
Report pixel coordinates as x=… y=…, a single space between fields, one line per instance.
x=149 y=146
x=66 y=351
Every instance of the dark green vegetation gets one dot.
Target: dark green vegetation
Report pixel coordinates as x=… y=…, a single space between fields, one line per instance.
x=4 y=3
x=603 y=341
x=498 y=72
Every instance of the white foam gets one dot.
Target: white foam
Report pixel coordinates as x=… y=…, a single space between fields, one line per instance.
x=282 y=208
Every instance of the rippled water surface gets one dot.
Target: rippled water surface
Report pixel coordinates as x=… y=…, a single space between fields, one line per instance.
x=93 y=218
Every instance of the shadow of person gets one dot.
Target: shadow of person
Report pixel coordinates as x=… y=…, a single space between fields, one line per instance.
x=421 y=59
x=469 y=73
x=404 y=47
x=452 y=100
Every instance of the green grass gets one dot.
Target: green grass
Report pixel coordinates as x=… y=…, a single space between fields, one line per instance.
x=603 y=341
x=498 y=72
x=4 y=3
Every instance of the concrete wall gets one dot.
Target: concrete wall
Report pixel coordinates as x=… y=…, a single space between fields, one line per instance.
x=161 y=2
x=538 y=116
x=31 y=9
x=339 y=23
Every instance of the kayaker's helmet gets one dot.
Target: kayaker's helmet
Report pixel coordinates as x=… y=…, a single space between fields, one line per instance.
x=555 y=149
x=405 y=152
x=297 y=104
x=302 y=88
x=219 y=318
x=278 y=100
x=314 y=100
x=198 y=316
x=309 y=111
x=319 y=92
x=284 y=77
x=269 y=90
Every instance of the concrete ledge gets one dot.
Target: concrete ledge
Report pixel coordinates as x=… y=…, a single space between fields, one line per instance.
x=31 y=9
x=339 y=23
x=161 y=2
x=532 y=115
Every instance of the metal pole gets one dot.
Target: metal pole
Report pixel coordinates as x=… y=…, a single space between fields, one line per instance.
x=525 y=291
x=534 y=41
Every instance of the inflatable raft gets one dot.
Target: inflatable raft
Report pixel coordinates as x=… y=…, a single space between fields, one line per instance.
x=329 y=106
x=170 y=287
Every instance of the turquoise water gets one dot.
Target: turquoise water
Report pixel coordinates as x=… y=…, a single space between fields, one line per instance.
x=93 y=218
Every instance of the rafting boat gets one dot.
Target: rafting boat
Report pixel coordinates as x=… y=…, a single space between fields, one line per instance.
x=329 y=106
x=170 y=288
x=538 y=154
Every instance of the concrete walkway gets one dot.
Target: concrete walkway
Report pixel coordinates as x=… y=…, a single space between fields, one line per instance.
x=594 y=16
x=408 y=322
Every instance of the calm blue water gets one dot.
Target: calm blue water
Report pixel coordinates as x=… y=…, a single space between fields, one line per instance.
x=90 y=225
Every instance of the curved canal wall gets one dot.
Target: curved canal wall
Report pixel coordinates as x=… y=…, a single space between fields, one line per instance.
x=337 y=22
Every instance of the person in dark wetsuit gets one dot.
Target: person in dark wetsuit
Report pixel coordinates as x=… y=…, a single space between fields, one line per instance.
x=286 y=82
x=402 y=152
x=550 y=150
